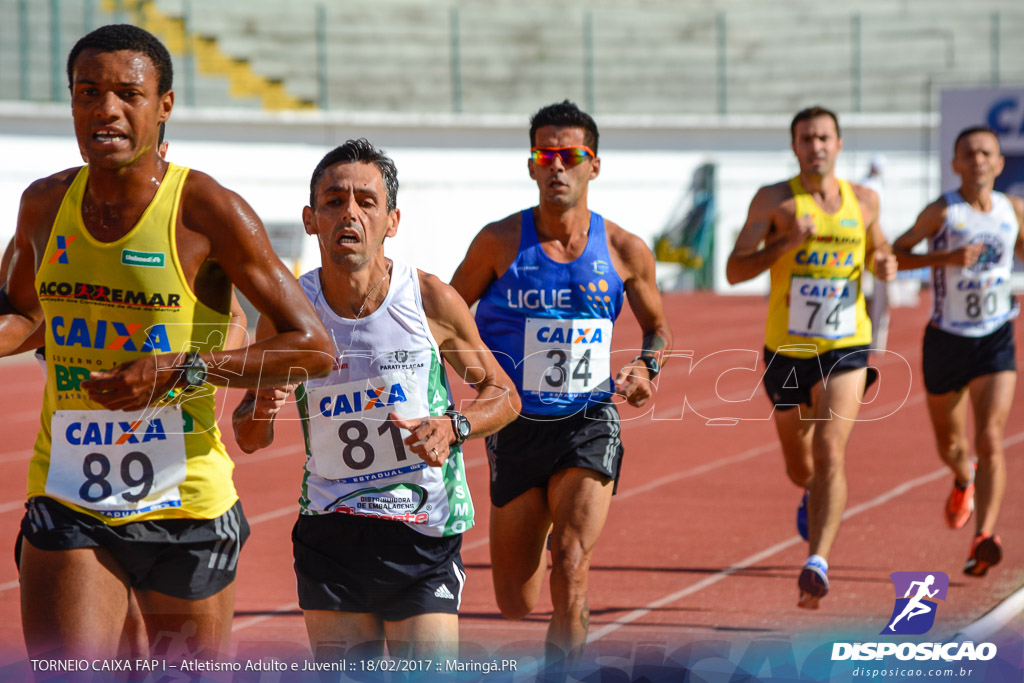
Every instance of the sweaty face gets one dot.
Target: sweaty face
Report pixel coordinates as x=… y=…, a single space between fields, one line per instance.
x=350 y=219
x=116 y=107
x=558 y=183
x=816 y=145
x=977 y=159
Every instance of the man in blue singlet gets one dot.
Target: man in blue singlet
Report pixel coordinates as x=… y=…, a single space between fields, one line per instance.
x=550 y=281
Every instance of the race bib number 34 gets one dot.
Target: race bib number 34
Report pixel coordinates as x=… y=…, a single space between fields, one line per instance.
x=822 y=307
x=351 y=438
x=567 y=356
x=117 y=463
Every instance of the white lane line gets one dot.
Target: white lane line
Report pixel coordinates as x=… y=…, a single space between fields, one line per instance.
x=754 y=559
x=998 y=617
x=757 y=557
x=240 y=624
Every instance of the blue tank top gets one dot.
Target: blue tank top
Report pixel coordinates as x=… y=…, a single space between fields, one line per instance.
x=549 y=324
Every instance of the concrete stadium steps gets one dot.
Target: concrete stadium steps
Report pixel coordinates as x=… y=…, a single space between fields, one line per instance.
x=647 y=56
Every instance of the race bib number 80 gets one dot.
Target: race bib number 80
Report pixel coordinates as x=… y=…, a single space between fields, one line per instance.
x=567 y=356
x=976 y=299
x=117 y=463
x=822 y=307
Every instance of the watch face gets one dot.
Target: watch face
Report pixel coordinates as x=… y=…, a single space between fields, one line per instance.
x=463 y=427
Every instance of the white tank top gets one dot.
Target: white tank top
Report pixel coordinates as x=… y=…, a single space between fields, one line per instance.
x=975 y=301
x=356 y=462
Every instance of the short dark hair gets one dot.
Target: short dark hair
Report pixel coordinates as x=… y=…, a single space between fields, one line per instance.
x=163 y=133
x=568 y=115
x=976 y=129
x=114 y=37
x=362 y=151
x=813 y=113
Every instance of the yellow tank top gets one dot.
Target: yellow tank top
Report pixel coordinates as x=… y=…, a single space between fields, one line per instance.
x=816 y=303
x=107 y=303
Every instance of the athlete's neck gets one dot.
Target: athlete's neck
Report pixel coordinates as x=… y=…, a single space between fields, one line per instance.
x=824 y=189
x=566 y=225
x=979 y=197
x=115 y=199
x=358 y=291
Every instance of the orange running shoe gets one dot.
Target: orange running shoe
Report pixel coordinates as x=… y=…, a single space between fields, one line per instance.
x=986 y=550
x=959 y=505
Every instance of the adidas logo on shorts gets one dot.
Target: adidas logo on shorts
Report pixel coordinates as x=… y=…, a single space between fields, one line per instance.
x=443 y=592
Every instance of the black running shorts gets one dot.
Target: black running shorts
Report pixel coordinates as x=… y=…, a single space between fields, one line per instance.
x=951 y=361
x=526 y=453
x=346 y=563
x=190 y=559
x=788 y=381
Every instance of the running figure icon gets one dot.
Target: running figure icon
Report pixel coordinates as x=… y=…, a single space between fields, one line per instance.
x=916 y=606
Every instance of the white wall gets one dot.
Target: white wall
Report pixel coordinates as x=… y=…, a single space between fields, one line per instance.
x=459 y=173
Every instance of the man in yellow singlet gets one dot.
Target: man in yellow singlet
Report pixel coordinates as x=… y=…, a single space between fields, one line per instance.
x=130 y=261
x=815 y=234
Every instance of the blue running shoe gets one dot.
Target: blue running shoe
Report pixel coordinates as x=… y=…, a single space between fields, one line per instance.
x=801 y=517
x=813 y=583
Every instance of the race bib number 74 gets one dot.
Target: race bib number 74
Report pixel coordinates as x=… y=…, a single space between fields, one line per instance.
x=822 y=307
x=117 y=463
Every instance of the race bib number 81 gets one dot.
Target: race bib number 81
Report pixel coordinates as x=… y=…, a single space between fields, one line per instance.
x=822 y=307
x=351 y=438
x=567 y=356
x=117 y=463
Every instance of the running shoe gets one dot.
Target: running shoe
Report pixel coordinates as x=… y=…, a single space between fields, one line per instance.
x=986 y=550
x=801 y=517
x=813 y=584
x=960 y=504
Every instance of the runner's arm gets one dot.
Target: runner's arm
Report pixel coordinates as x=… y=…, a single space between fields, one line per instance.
x=927 y=225
x=1018 y=208
x=748 y=258
x=633 y=381
x=253 y=418
x=479 y=268
x=496 y=403
x=20 y=313
x=238 y=333
x=881 y=260
x=238 y=244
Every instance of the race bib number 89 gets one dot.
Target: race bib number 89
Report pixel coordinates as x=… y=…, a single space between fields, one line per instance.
x=567 y=356
x=117 y=463
x=822 y=307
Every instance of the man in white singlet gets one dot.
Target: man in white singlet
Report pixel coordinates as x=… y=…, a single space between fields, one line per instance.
x=384 y=501
x=969 y=348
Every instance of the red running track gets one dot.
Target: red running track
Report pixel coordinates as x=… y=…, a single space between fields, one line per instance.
x=700 y=544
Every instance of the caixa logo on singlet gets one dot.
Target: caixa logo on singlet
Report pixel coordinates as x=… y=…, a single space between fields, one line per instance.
x=109 y=334
x=568 y=333
x=833 y=259
x=114 y=433
x=361 y=400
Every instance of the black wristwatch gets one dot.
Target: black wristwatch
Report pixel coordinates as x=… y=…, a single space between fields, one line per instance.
x=460 y=426
x=194 y=371
x=652 y=364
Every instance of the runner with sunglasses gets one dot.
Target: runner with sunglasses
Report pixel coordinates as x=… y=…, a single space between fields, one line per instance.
x=550 y=281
